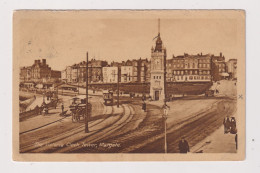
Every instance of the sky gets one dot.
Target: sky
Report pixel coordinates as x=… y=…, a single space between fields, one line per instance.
x=63 y=38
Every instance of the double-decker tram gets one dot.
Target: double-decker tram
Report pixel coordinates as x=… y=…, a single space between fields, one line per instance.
x=108 y=97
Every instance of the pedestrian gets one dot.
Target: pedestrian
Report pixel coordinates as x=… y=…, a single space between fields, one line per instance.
x=165 y=109
x=225 y=125
x=184 y=146
x=144 y=106
x=236 y=140
x=37 y=110
x=233 y=128
x=55 y=104
x=62 y=108
x=228 y=124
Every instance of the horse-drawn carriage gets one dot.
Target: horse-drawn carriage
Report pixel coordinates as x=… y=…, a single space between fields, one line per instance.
x=78 y=109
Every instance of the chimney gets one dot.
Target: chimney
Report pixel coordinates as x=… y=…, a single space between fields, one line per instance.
x=44 y=61
x=201 y=54
x=220 y=54
x=35 y=61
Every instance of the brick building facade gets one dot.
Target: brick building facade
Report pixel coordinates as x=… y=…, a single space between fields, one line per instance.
x=39 y=72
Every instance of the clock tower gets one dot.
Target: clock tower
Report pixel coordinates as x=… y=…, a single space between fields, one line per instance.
x=158 y=69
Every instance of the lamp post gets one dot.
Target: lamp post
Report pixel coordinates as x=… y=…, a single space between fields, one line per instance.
x=86 y=116
x=165 y=114
x=118 y=86
x=78 y=77
x=57 y=92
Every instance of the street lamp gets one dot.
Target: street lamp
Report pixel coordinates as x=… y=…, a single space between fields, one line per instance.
x=165 y=114
x=86 y=116
x=118 y=86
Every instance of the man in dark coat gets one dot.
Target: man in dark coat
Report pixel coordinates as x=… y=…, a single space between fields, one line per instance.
x=228 y=124
x=62 y=108
x=184 y=146
x=236 y=141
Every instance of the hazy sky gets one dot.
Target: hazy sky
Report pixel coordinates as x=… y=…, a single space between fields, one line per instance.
x=64 y=37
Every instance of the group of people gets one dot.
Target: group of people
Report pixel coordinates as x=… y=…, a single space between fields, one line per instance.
x=230 y=125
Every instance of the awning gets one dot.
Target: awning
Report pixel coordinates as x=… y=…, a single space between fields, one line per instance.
x=224 y=74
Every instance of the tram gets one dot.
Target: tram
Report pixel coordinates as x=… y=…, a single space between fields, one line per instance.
x=108 y=97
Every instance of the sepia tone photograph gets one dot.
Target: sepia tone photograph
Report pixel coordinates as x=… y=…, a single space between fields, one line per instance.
x=120 y=85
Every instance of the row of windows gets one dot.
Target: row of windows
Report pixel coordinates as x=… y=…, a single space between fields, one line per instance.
x=204 y=60
x=157 y=77
x=193 y=65
x=200 y=60
x=191 y=72
x=204 y=65
x=221 y=65
x=191 y=78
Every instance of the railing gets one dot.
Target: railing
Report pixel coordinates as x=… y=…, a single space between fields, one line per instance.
x=36 y=111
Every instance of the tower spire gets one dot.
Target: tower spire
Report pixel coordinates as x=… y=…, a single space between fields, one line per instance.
x=158 y=46
x=159 y=26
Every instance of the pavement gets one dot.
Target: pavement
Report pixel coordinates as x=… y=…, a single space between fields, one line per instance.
x=40 y=121
x=218 y=142
x=53 y=116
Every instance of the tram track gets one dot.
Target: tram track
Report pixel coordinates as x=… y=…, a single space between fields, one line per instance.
x=194 y=131
x=64 y=135
x=101 y=133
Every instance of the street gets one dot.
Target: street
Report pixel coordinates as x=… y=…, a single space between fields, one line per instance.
x=127 y=129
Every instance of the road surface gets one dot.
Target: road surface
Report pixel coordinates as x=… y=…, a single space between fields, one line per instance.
x=128 y=129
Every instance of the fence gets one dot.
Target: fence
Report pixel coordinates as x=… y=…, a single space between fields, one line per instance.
x=36 y=111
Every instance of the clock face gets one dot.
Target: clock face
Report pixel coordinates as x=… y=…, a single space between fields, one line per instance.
x=157 y=63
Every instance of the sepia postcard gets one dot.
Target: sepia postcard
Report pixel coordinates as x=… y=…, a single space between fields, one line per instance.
x=128 y=85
